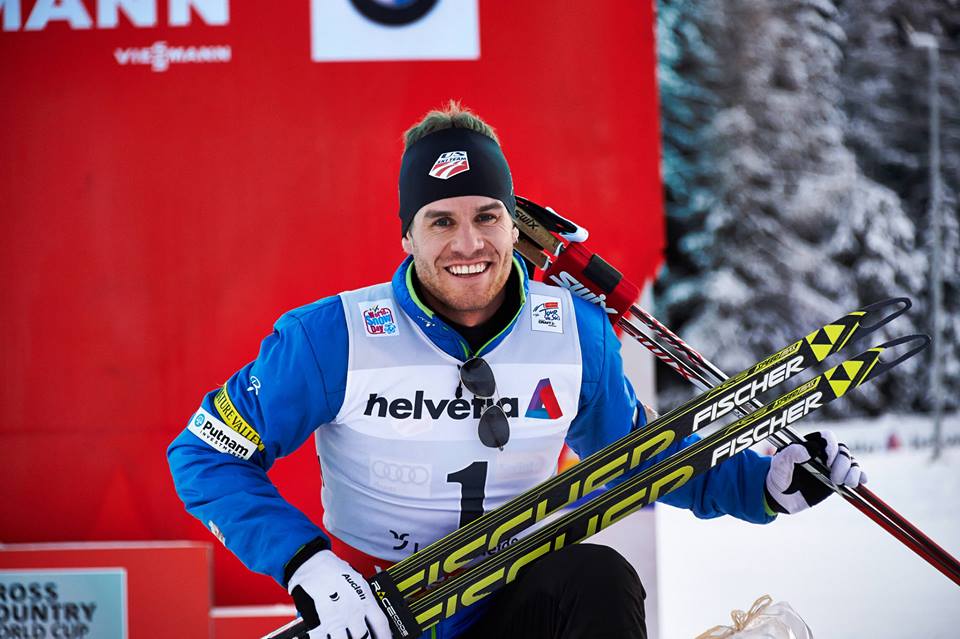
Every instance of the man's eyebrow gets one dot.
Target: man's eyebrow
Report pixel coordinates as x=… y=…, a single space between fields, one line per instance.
x=434 y=213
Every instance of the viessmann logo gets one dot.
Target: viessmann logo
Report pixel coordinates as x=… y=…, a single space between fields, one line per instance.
x=140 y=14
x=421 y=407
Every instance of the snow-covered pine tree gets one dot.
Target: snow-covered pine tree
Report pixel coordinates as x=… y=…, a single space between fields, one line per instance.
x=788 y=189
x=887 y=106
x=687 y=71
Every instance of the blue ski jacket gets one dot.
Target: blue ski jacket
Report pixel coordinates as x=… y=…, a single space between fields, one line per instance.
x=305 y=359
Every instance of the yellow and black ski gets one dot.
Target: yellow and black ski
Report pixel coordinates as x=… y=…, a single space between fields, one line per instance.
x=399 y=585
x=645 y=487
x=487 y=533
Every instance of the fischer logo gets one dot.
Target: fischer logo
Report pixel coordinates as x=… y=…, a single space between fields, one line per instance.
x=420 y=407
x=159 y=56
x=138 y=13
x=570 y=282
x=728 y=402
x=765 y=428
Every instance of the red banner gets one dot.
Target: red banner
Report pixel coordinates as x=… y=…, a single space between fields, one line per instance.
x=178 y=173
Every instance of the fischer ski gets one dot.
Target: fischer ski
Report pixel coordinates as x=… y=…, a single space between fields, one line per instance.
x=652 y=483
x=396 y=588
x=486 y=533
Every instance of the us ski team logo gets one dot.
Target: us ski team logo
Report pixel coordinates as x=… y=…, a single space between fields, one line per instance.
x=449 y=164
x=544 y=404
x=378 y=319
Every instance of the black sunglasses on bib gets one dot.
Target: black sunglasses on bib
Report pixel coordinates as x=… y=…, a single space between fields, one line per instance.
x=477 y=377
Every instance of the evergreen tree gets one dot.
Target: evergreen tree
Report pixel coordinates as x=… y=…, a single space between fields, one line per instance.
x=887 y=104
x=795 y=235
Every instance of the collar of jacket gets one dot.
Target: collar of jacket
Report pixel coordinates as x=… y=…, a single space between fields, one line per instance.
x=441 y=334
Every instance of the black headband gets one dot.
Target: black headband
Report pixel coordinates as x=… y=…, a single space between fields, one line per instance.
x=450 y=163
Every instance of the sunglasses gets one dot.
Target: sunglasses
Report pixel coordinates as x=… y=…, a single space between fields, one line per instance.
x=477 y=377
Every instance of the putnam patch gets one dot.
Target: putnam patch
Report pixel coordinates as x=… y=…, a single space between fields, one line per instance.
x=220 y=436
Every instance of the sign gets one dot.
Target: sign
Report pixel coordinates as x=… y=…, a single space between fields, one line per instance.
x=65 y=603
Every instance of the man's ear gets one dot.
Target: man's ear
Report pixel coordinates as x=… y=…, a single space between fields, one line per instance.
x=516 y=234
x=407 y=244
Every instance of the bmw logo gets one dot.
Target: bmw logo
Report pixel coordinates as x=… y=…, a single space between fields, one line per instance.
x=393 y=13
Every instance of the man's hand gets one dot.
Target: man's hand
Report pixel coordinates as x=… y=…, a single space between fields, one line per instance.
x=790 y=489
x=335 y=601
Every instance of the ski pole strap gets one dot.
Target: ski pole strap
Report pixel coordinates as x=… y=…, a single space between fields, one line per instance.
x=589 y=276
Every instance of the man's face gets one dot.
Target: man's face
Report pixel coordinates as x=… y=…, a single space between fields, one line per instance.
x=462 y=248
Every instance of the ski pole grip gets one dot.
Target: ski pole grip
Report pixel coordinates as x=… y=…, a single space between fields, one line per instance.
x=589 y=276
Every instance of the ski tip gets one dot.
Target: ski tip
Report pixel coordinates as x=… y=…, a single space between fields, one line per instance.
x=880 y=309
x=920 y=341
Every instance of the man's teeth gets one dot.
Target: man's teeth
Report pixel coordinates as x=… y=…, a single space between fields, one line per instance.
x=467 y=269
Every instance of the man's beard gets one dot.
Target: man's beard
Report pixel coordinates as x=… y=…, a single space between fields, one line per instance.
x=444 y=292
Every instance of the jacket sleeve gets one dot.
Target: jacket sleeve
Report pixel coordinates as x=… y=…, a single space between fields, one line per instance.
x=609 y=409
x=266 y=410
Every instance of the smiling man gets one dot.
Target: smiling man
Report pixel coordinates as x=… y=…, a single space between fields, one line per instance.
x=433 y=398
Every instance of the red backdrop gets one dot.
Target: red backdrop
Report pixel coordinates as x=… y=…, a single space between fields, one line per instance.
x=155 y=223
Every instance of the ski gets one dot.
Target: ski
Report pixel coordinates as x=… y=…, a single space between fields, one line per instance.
x=650 y=484
x=492 y=530
x=402 y=582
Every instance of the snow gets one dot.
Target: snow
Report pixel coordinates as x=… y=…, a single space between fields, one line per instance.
x=842 y=573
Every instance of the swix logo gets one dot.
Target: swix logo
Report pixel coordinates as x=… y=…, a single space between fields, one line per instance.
x=139 y=13
x=544 y=404
x=569 y=281
x=449 y=164
x=423 y=407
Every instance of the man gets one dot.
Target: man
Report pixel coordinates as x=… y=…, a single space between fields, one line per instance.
x=433 y=398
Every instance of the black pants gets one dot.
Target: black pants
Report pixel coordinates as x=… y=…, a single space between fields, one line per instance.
x=584 y=591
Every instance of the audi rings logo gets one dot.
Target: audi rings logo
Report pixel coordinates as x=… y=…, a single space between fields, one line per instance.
x=393 y=13
x=401 y=473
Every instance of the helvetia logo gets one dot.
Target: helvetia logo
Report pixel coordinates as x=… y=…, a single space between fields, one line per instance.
x=421 y=407
x=544 y=404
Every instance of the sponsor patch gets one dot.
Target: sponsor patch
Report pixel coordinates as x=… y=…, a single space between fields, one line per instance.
x=546 y=314
x=233 y=419
x=220 y=436
x=216 y=532
x=449 y=164
x=544 y=404
x=405 y=478
x=379 y=319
